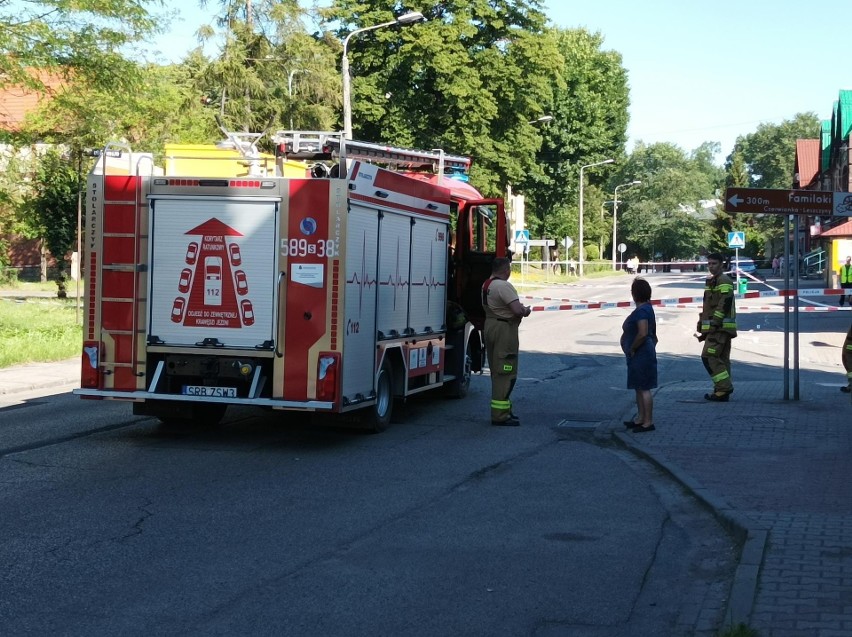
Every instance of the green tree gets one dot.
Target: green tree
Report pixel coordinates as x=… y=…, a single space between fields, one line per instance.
x=52 y=203
x=665 y=218
x=271 y=73
x=737 y=177
x=590 y=124
x=454 y=81
x=12 y=189
x=164 y=105
x=77 y=39
x=770 y=152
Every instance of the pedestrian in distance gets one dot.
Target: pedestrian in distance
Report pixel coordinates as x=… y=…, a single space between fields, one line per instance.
x=503 y=314
x=717 y=326
x=844 y=275
x=847 y=361
x=775 y=265
x=639 y=344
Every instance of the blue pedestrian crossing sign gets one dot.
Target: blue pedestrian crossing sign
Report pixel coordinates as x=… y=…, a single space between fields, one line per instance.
x=736 y=239
x=522 y=236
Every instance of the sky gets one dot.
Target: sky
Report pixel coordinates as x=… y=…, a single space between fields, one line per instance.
x=697 y=71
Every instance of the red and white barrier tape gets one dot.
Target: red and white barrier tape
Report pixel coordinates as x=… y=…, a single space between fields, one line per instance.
x=688 y=301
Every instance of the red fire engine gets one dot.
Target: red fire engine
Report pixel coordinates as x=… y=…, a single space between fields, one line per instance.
x=348 y=287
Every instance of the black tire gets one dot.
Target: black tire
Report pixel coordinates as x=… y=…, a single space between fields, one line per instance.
x=382 y=411
x=460 y=385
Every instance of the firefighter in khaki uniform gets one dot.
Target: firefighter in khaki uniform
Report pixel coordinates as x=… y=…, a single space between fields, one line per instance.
x=847 y=361
x=717 y=325
x=503 y=314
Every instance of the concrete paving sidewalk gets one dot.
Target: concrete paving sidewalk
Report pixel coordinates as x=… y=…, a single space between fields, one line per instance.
x=776 y=471
x=779 y=473
x=25 y=378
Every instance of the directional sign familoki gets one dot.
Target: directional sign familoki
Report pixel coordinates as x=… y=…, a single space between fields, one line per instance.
x=788 y=202
x=736 y=239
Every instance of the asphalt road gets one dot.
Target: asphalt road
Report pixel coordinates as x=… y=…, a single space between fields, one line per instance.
x=442 y=525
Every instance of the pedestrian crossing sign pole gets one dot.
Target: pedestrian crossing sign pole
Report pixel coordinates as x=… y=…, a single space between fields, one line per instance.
x=736 y=240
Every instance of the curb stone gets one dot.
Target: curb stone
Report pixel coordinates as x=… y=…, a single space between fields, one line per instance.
x=751 y=536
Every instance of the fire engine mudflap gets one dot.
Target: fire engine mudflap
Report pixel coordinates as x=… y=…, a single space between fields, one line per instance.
x=317 y=295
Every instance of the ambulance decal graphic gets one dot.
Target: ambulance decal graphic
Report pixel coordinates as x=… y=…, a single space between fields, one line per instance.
x=217 y=288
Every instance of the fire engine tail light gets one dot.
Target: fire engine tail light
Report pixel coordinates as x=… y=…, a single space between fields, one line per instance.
x=328 y=373
x=90 y=376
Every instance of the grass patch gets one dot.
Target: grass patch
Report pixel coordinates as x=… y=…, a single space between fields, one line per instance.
x=38 y=331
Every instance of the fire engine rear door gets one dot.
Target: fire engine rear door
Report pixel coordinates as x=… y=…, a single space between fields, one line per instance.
x=212 y=274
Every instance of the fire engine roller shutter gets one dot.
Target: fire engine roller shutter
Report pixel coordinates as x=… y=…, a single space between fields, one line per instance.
x=394 y=277
x=359 y=328
x=212 y=270
x=428 y=276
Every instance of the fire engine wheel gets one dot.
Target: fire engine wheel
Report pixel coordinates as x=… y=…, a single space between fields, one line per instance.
x=382 y=410
x=459 y=386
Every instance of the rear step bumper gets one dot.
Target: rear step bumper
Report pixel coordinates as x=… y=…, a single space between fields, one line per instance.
x=308 y=405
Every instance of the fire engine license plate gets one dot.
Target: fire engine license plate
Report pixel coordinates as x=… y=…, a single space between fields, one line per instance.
x=209 y=392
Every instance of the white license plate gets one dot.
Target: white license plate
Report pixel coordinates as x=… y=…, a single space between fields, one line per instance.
x=209 y=392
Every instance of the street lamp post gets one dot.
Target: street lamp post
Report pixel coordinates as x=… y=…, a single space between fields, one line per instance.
x=405 y=18
x=580 y=233
x=635 y=182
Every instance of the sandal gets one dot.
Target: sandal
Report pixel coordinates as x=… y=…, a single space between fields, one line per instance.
x=640 y=428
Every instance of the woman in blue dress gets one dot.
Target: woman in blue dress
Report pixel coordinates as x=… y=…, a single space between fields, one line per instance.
x=639 y=344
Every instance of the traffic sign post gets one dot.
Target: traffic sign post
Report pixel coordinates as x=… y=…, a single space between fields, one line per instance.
x=522 y=240
x=736 y=239
x=790 y=203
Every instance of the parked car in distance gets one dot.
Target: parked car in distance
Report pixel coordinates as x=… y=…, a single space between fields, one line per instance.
x=743 y=264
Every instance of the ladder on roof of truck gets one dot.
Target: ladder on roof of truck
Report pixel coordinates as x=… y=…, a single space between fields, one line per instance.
x=325 y=145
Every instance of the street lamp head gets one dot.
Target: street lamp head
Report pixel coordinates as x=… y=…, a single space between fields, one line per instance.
x=411 y=16
x=541 y=120
x=635 y=182
x=405 y=18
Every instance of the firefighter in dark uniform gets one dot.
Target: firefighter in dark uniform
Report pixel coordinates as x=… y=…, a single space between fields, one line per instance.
x=503 y=314
x=847 y=361
x=717 y=325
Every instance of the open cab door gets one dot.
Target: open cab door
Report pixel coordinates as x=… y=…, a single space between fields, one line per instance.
x=482 y=235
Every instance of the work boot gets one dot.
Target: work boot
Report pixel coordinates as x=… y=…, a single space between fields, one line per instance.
x=511 y=421
x=717 y=397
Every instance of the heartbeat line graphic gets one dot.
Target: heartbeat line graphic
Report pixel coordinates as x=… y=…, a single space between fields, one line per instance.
x=396 y=281
x=430 y=283
x=356 y=280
